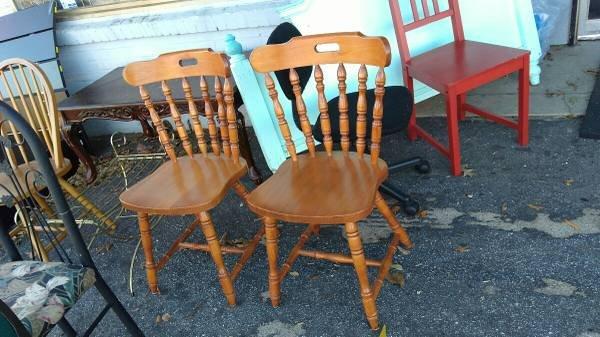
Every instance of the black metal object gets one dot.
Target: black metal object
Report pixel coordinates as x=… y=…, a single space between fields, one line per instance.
x=9 y=320
x=83 y=256
x=590 y=125
x=574 y=23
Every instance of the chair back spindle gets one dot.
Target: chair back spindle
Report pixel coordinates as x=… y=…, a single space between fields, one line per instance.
x=210 y=117
x=222 y=115
x=324 y=110
x=343 y=108
x=192 y=68
x=316 y=50
x=26 y=88
x=193 y=111
x=301 y=108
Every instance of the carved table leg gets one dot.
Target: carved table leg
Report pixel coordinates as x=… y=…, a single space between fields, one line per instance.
x=143 y=119
x=71 y=137
x=245 y=150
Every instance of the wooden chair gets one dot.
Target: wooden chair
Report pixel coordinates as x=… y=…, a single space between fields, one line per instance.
x=27 y=89
x=195 y=183
x=36 y=295
x=455 y=69
x=330 y=187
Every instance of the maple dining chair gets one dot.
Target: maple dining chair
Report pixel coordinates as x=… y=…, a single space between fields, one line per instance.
x=333 y=186
x=194 y=183
x=454 y=70
x=398 y=103
x=26 y=88
x=36 y=293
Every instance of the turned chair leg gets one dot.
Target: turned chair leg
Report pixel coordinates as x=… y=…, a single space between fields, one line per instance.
x=146 y=234
x=394 y=224
x=360 y=265
x=208 y=229
x=272 y=233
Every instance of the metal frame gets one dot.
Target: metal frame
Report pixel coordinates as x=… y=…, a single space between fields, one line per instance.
x=82 y=254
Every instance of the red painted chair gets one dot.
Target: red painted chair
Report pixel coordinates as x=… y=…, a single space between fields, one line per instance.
x=455 y=69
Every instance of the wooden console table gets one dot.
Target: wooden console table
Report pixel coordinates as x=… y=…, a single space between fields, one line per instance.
x=111 y=98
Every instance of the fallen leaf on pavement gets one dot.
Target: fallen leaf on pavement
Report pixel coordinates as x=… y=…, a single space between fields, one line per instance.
x=573 y=225
x=383 y=332
x=503 y=209
x=534 y=207
x=397 y=267
x=462 y=249
x=467 y=171
x=240 y=243
x=396 y=277
x=568 y=182
x=423 y=214
x=294 y=274
x=166 y=317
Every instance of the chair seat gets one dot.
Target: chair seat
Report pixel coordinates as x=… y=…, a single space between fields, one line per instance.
x=40 y=293
x=7 y=187
x=460 y=61
x=320 y=190
x=186 y=186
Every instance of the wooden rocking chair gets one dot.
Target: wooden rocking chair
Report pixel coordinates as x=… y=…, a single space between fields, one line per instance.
x=195 y=183
x=331 y=187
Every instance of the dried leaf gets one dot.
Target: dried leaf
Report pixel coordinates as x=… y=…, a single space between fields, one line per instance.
x=397 y=267
x=573 y=225
x=240 y=243
x=104 y=248
x=467 y=171
x=166 y=317
x=383 y=332
x=396 y=277
x=396 y=208
x=534 y=207
x=423 y=214
x=158 y=319
x=504 y=209
x=568 y=182
x=462 y=249
x=294 y=274
x=403 y=251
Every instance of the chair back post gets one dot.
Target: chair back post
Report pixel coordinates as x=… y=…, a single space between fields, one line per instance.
x=401 y=28
x=316 y=50
x=457 y=27
x=41 y=157
x=183 y=66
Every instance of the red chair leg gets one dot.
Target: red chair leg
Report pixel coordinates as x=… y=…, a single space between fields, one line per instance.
x=453 y=136
x=462 y=99
x=523 y=131
x=412 y=123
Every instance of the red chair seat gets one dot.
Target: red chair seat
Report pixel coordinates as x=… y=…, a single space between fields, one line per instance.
x=461 y=61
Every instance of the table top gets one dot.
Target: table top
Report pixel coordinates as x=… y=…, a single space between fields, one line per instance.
x=111 y=91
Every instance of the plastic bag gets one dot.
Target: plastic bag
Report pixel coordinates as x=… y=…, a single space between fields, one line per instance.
x=546 y=14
